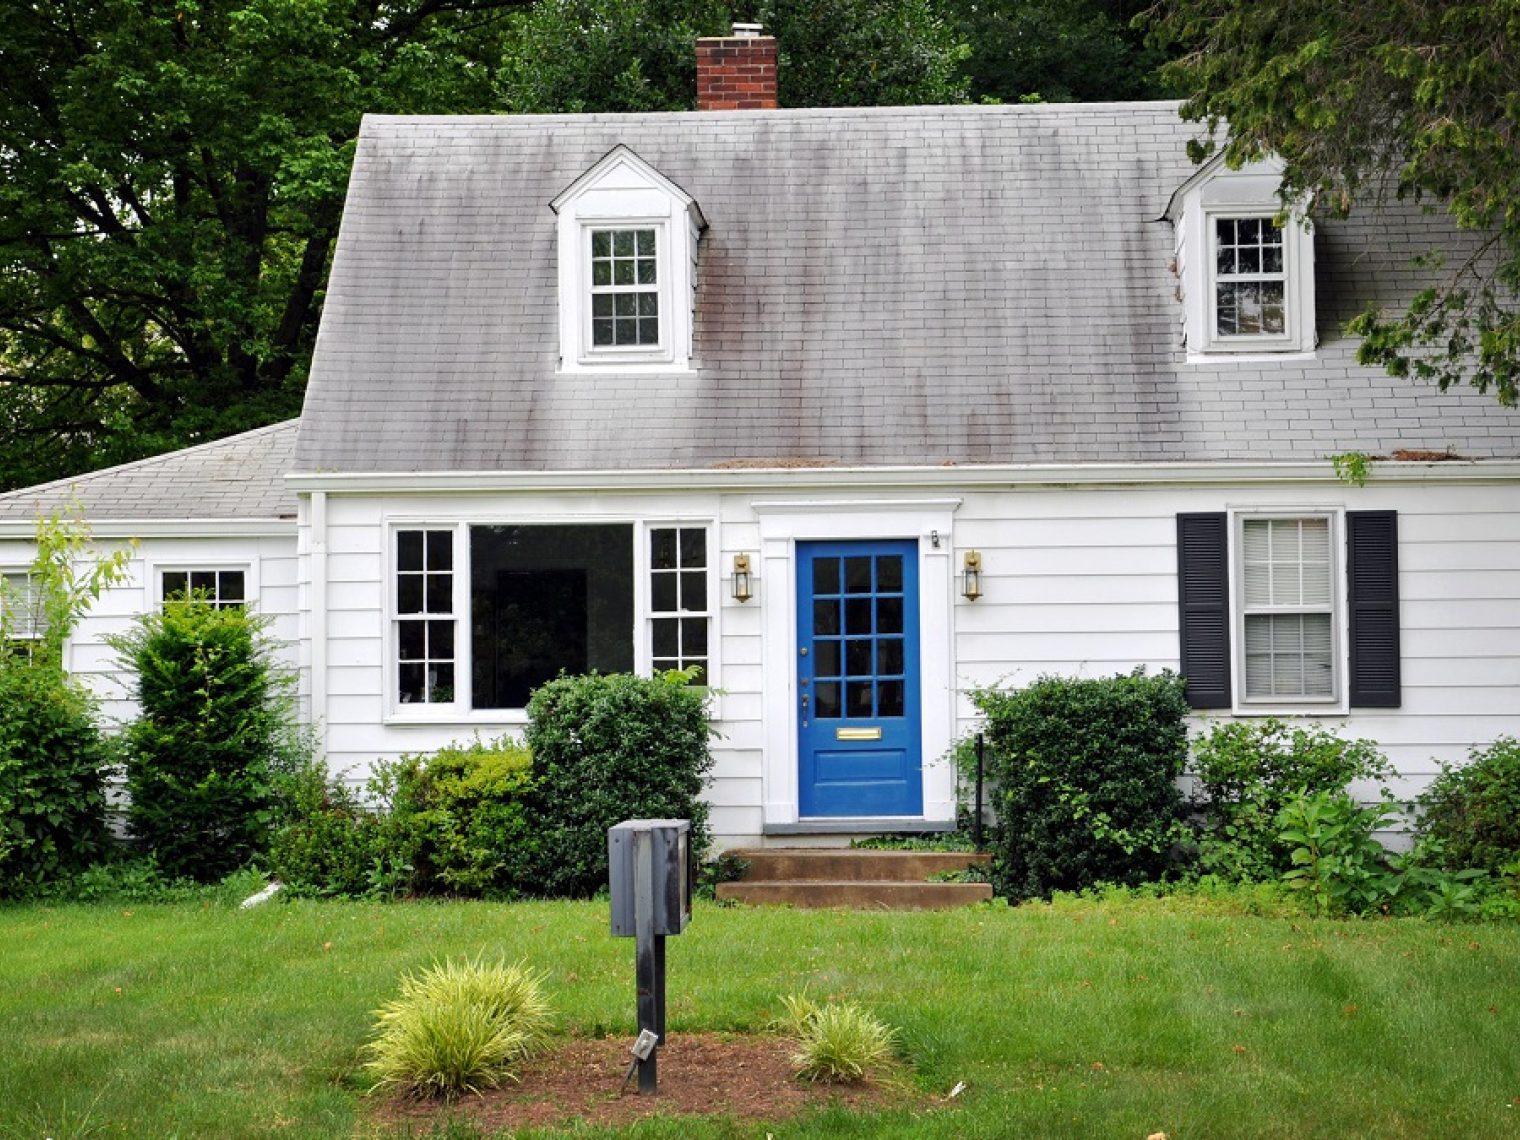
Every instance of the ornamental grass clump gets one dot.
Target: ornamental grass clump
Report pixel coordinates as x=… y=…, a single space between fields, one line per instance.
x=836 y=1042
x=459 y=1027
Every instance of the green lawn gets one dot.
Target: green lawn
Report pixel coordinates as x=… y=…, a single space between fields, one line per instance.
x=1082 y=1019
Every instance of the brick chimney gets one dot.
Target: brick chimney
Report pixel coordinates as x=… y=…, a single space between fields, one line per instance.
x=737 y=72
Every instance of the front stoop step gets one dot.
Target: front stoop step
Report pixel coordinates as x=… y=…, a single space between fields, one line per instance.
x=835 y=877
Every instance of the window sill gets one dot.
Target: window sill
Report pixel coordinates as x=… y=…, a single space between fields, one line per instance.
x=1336 y=708
x=626 y=368
x=1251 y=356
x=417 y=715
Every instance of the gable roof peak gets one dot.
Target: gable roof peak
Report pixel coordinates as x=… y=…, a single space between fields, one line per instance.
x=623 y=160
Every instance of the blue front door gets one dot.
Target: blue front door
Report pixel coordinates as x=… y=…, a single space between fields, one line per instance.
x=857 y=679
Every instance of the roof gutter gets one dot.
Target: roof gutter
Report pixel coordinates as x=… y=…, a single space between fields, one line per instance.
x=1030 y=476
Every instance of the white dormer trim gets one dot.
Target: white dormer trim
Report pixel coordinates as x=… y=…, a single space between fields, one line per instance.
x=623 y=193
x=1214 y=196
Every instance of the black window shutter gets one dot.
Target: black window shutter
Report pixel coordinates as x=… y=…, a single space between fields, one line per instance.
x=1203 y=600
x=1372 y=574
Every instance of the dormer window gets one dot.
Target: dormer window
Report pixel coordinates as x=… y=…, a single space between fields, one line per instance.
x=625 y=295
x=1247 y=284
x=627 y=269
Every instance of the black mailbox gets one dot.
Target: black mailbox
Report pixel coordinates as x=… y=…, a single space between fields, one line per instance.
x=666 y=878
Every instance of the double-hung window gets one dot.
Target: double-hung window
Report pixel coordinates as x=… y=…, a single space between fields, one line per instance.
x=484 y=613
x=1250 y=278
x=1287 y=609
x=625 y=290
x=21 y=613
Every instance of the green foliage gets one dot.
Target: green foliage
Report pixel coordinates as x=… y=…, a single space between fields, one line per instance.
x=458 y=1027
x=1472 y=812
x=214 y=730
x=171 y=198
x=605 y=749
x=1373 y=97
x=52 y=764
x=52 y=755
x=628 y=55
x=1056 y=50
x=458 y=820
x=1248 y=771
x=1352 y=467
x=836 y=1042
x=325 y=842
x=1085 y=773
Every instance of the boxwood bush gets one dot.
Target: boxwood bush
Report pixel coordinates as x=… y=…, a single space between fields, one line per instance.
x=608 y=748
x=1085 y=773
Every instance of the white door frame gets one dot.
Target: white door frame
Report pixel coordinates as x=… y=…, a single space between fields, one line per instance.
x=783 y=523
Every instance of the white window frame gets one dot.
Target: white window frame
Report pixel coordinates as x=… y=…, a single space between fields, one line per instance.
x=460 y=710
x=1251 y=342
x=34 y=635
x=659 y=352
x=1336 y=702
x=196 y=565
x=622 y=192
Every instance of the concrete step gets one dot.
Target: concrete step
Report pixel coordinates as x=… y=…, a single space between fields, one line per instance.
x=849 y=864
x=862 y=894
x=850 y=877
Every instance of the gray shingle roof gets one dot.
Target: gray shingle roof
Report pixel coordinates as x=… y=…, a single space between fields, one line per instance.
x=890 y=286
x=240 y=477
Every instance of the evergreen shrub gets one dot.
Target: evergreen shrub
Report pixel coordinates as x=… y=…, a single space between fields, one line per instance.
x=608 y=748
x=215 y=728
x=326 y=841
x=1085 y=777
x=52 y=764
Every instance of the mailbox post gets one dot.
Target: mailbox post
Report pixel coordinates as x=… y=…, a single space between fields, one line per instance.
x=651 y=881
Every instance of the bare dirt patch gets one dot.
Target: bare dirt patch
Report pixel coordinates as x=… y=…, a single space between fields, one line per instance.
x=701 y=1074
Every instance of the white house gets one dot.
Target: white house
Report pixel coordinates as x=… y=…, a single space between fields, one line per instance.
x=854 y=409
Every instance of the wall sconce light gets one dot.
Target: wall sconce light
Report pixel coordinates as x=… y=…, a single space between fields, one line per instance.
x=743 y=582
x=971 y=576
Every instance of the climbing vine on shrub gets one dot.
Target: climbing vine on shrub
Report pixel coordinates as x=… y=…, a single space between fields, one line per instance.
x=1085 y=773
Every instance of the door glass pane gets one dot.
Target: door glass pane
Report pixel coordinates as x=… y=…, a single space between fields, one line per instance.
x=858 y=657
x=826 y=661
x=826 y=576
x=857 y=575
x=889 y=656
x=826 y=694
x=857 y=615
x=857 y=697
x=890 y=699
x=826 y=617
x=889 y=615
x=889 y=573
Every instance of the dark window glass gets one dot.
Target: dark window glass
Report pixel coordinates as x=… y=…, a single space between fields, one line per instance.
x=857 y=657
x=888 y=573
x=889 y=615
x=857 y=575
x=663 y=545
x=826 y=693
x=890 y=698
x=409 y=550
x=889 y=656
x=662 y=593
x=857 y=615
x=857 y=699
x=827 y=662
x=546 y=599
x=826 y=576
x=825 y=617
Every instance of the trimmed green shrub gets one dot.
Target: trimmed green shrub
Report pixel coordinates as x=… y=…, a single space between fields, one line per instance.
x=605 y=749
x=52 y=765
x=458 y=1027
x=1470 y=815
x=458 y=820
x=1248 y=771
x=1085 y=780
x=325 y=842
x=214 y=728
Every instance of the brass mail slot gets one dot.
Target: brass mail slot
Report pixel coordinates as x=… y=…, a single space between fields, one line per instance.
x=858 y=733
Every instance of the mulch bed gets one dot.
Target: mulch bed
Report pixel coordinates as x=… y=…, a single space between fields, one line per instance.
x=700 y=1074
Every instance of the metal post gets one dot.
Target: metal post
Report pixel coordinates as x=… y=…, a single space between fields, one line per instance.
x=976 y=822
x=649 y=957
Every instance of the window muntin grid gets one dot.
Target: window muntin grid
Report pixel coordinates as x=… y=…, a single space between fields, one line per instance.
x=425 y=627
x=223 y=589
x=859 y=669
x=21 y=602
x=1250 y=278
x=678 y=598
x=625 y=296
x=1288 y=608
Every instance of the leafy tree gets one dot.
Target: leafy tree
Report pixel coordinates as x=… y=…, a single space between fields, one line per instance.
x=1056 y=50
x=1377 y=97
x=628 y=55
x=171 y=176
